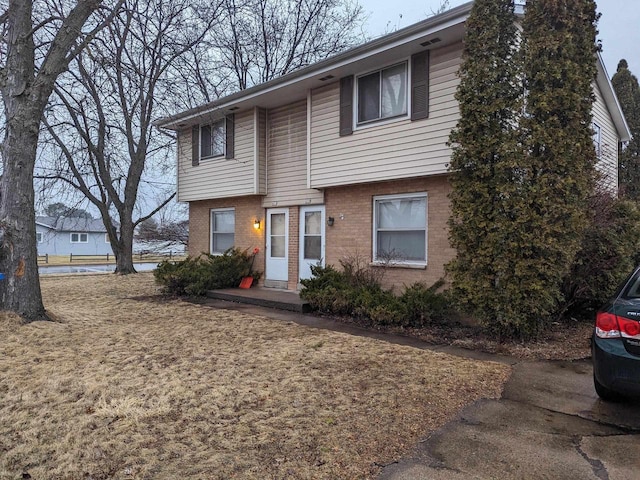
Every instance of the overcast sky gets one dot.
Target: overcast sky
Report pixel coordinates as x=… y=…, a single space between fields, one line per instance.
x=619 y=25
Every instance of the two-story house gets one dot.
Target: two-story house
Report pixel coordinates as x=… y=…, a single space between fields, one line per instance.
x=348 y=156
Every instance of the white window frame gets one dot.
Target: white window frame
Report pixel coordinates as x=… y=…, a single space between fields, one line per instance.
x=80 y=235
x=597 y=139
x=222 y=123
x=39 y=237
x=106 y=238
x=382 y=120
x=381 y=198
x=212 y=212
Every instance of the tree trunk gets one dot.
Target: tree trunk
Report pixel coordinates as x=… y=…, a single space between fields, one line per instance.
x=20 y=289
x=124 y=249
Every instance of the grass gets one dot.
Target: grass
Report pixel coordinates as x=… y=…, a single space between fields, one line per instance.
x=128 y=385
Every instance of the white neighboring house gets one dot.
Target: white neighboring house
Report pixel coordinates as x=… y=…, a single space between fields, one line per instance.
x=78 y=236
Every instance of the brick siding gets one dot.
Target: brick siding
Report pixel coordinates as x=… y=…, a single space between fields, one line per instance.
x=352 y=232
x=351 y=235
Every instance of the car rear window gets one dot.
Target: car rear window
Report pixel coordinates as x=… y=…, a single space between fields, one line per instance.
x=631 y=288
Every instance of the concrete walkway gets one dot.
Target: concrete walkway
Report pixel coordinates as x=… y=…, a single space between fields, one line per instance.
x=549 y=423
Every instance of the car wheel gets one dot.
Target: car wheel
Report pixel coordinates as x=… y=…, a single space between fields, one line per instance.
x=605 y=393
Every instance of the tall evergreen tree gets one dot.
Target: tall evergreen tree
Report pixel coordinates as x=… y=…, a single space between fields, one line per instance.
x=485 y=151
x=521 y=178
x=628 y=91
x=559 y=68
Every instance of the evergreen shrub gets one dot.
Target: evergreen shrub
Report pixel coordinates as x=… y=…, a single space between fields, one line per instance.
x=356 y=291
x=195 y=275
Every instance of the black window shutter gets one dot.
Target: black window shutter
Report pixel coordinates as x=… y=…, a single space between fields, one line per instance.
x=195 y=145
x=346 y=106
x=420 y=85
x=230 y=136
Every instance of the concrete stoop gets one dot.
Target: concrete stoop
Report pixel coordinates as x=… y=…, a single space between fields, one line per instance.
x=263 y=297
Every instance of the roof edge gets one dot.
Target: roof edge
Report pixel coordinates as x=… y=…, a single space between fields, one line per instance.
x=459 y=12
x=612 y=102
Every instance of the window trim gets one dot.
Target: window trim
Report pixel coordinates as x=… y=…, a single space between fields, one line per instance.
x=79 y=234
x=374 y=228
x=406 y=61
x=106 y=238
x=224 y=138
x=39 y=237
x=212 y=212
x=597 y=138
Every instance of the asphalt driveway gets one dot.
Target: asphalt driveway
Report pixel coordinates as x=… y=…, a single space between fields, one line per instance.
x=549 y=423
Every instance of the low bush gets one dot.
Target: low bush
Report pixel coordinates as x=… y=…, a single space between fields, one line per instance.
x=194 y=276
x=355 y=292
x=608 y=254
x=424 y=305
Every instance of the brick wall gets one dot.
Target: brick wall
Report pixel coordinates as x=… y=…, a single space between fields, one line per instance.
x=351 y=234
x=294 y=245
x=247 y=209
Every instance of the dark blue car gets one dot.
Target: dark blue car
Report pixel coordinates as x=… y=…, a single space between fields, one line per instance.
x=616 y=343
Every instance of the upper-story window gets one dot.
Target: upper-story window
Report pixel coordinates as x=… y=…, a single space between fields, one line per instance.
x=212 y=139
x=382 y=94
x=597 y=138
x=399 y=91
x=79 y=238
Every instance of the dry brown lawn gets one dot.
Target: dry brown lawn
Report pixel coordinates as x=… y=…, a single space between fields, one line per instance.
x=128 y=385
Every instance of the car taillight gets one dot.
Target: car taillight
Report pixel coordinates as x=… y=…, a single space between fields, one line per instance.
x=609 y=325
x=629 y=328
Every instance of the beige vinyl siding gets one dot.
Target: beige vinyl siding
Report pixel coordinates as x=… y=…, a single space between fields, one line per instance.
x=287 y=158
x=389 y=150
x=219 y=177
x=608 y=163
x=261 y=114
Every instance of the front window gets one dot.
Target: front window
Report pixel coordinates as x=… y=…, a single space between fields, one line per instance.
x=400 y=228
x=223 y=227
x=79 y=238
x=212 y=139
x=39 y=237
x=382 y=94
x=597 y=139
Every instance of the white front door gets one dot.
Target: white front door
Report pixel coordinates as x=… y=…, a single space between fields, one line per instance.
x=277 y=266
x=311 y=238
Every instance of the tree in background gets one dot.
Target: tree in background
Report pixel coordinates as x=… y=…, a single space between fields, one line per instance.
x=627 y=90
x=37 y=46
x=59 y=209
x=265 y=39
x=101 y=122
x=485 y=159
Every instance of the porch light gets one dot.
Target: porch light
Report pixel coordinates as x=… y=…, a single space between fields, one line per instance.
x=256 y=224
x=330 y=221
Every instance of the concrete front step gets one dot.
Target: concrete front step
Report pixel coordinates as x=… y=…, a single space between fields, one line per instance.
x=263 y=297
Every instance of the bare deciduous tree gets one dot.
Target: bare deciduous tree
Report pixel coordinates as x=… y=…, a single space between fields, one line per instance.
x=264 y=39
x=105 y=105
x=37 y=48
